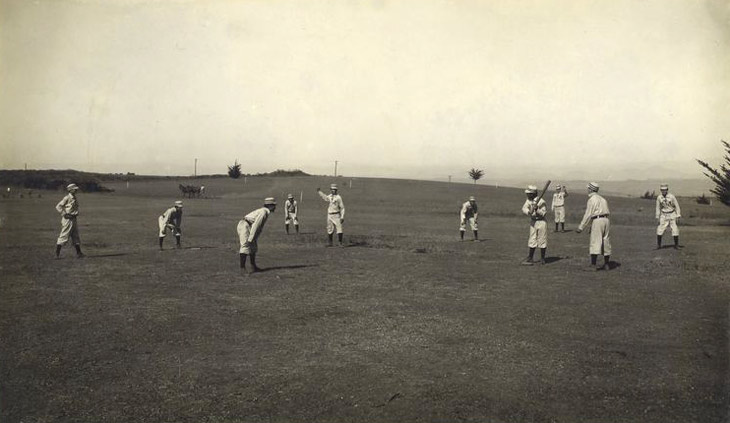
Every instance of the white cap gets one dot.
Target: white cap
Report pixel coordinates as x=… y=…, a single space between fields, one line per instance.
x=593 y=186
x=663 y=187
x=333 y=186
x=69 y=187
x=269 y=201
x=289 y=196
x=178 y=203
x=472 y=198
x=558 y=187
x=531 y=189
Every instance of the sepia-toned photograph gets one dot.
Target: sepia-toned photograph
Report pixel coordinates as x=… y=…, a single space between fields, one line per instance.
x=396 y=211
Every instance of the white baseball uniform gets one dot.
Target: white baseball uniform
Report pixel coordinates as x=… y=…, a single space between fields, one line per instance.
x=667 y=211
x=597 y=212
x=171 y=219
x=249 y=229
x=290 y=211
x=335 y=212
x=69 y=209
x=469 y=213
x=538 y=226
x=558 y=206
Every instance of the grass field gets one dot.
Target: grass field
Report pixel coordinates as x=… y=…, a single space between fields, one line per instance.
x=406 y=324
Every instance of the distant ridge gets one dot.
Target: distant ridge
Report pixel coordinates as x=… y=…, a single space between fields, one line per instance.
x=54 y=179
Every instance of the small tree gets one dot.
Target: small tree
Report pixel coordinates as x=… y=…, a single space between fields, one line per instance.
x=721 y=176
x=476 y=174
x=235 y=170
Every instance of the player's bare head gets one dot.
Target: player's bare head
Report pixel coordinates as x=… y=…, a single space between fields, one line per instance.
x=531 y=191
x=270 y=203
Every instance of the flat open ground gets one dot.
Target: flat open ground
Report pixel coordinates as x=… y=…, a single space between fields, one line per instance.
x=406 y=324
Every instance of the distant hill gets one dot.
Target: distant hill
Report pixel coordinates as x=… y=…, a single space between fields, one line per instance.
x=282 y=172
x=52 y=179
x=635 y=188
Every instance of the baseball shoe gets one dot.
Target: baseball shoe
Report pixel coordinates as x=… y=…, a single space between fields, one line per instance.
x=527 y=262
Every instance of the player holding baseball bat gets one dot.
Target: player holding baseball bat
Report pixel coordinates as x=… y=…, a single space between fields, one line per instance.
x=536 y=208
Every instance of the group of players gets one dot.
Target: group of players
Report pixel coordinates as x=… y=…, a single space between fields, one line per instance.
x=597 y=214
x=250 y=227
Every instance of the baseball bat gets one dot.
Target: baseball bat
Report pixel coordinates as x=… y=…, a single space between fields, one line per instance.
x=544 y=190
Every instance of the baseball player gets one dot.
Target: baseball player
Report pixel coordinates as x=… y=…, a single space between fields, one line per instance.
x=249 y=229
x=538 y=227
x=469 y=213
x=597 y=213
x=290 y=213
x=68 y=207
x=668 y=213
x=171 y=219
x=335 y=213
x=558 y=206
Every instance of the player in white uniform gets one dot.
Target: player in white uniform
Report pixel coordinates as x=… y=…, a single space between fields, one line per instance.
x=249 y=229
x=171 y=219
x=668 y=213
x=290 y=213
x=558 y=206
x=68 y=207
x=538 y=227
x=335 y=214
x=597 y=213
x=469 y=213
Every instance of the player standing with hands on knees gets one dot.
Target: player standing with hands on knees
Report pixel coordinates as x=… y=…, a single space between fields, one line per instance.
x=335 y=214
x=469 y=213
x=249 y=229
x=171 y=219
x=290 y=213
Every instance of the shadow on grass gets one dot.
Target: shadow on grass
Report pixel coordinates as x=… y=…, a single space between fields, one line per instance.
x=550 y=260
x=613 y=265
x=106 y=255
x=294 y=266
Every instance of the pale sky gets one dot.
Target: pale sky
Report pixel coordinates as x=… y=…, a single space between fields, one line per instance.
x=569 y=89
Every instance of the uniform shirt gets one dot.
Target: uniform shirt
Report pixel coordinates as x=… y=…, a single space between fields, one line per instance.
x=173 y=216
x=469 y=210
x=558 y=199
x=336 y=204
x=290 y=206
x=597 y=206
x=257 y=220
x=667 y=205
x=69 y=205
x=540 y=211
